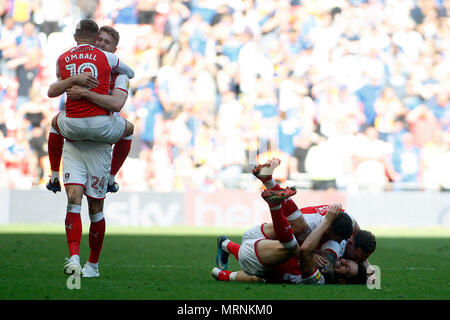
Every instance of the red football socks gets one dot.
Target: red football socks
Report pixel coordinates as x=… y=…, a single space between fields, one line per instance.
x=233 y=248
x=120 y=153
x=277 y=187
x=282 y=228
x=55 y=146
x=288 y=207
x=73 y=232
x=96 y=236
x=224 y=275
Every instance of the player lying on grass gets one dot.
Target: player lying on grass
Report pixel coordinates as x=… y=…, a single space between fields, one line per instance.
x=344 y=271
x=282 y=260
x=335 y=270
x=333 y=247
x=78 y=87
x=358 y=248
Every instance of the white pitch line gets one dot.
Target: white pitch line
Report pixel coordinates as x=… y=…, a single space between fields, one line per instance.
x=169 y=266
x=150 y=266
x=199 y=267
x=414 y=268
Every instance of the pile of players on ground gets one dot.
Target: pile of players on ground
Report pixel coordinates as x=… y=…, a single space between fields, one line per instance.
x=311 y=245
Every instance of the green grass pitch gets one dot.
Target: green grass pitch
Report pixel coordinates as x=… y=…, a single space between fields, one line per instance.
x=175 y=263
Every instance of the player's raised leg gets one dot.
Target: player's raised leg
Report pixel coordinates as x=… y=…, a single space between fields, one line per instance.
x=55 y=146
x=119 y=155
x=283 y=230
x=294 y=216
x=264 y=172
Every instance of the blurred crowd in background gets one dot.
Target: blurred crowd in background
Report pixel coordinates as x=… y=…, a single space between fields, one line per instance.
x=349 y=94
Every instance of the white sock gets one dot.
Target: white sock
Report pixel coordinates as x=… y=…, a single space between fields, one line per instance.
x=224 y=245
x=291 y=243
x=295 y=215
x=75 y=257
x=233 y=276
x=277 y=207
x=92 y=265
x=270 y=184
x=112 y=177
x=55 y=174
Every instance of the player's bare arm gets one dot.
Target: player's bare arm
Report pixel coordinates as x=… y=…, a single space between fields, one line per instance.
x=85 y=79
x=328 y=269
x=113 y=102
x=306 y=254
x=312 y=241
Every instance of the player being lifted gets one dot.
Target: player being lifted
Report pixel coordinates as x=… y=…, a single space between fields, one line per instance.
x=98 y=100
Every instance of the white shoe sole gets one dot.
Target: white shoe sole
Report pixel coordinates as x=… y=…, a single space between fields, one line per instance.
x=267 y=171
x=84 y=275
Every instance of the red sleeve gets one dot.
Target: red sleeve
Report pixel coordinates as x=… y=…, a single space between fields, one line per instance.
x=322 y=210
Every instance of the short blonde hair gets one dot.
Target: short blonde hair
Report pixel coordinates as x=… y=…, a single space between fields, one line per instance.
x=112 y=32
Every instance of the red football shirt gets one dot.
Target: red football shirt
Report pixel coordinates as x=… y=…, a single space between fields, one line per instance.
x=286 y=272
x=87 y=58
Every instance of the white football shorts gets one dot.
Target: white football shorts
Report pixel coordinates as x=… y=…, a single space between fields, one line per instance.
x=87 y=163
x=102 y=128
x=248 y=257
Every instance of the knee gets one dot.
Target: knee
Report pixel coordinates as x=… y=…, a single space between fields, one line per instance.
x=95 y=208
x=295 y=250
x=55 y=122
x=130 y=128
x=304 y=251
x=299 y=226
x=74 y=197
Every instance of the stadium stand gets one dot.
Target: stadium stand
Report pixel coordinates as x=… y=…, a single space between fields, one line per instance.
x=350 y=96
